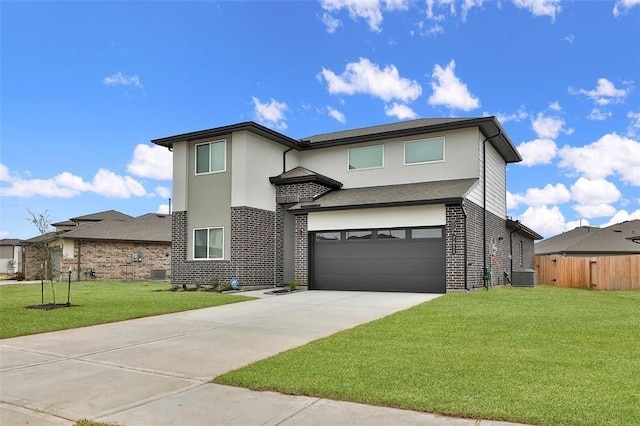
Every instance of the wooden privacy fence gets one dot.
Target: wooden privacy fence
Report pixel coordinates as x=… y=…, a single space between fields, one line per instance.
x=600 y=273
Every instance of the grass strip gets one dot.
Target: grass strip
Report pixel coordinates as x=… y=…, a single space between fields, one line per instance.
x=95 y=302
x=540 y=356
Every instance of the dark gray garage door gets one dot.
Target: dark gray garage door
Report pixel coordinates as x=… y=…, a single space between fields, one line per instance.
x=409 y=260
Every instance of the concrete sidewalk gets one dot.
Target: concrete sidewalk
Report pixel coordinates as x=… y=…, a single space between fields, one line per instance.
x=155 y=371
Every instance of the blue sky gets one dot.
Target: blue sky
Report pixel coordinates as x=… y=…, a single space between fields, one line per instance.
x=86 y=85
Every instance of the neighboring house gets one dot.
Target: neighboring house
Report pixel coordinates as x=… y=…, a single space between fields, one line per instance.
x=10 y=256
x=107 y=246
x=585 y=241
x=396 y=207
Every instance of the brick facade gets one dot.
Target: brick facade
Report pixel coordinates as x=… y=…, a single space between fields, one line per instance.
x=455 y=236
x=111 y=260
x=301 y=247
x=257 y=245
x=293 y=192
x=497 y=250
x=286 y=195
x=252 y=258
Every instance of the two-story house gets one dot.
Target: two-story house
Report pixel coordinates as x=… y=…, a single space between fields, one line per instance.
x=416 y=206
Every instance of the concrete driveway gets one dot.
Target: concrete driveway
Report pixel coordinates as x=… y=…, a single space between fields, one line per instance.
x=155 y=371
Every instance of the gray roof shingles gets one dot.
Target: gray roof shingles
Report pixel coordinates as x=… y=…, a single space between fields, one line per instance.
x=105 y=215
x=146 y=228
x=614 y=239
x=377 y=196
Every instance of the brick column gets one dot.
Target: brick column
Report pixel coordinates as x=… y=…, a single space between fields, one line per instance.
x=301 y=247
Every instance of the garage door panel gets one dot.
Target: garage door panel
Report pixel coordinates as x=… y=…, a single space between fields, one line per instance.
x=362 y=266
x=380 y=265
x=403 y=283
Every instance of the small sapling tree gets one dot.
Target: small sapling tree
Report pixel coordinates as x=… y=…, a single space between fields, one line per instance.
x=42 y=222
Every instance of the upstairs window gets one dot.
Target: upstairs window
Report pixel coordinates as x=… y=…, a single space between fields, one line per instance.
x=208 y=243
x=211 y=157
x=424 y=151
x=367 y=157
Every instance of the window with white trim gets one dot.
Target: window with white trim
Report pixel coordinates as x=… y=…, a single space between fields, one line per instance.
x=211 y=157
x=208 y=243
x=366 y=157
x=424 y=151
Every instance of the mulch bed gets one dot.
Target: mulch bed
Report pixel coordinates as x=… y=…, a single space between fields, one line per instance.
x=51 y=306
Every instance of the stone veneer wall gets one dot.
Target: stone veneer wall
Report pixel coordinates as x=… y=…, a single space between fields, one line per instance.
x=252 y=257
x=107 y=258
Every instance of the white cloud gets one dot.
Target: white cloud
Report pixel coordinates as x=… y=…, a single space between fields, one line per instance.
x=400 y=111
x=555 y=106
x=544 y=220
x=595 y=210
x=622 y=216
x=449 y=91
x=536 y=197
x=111 y=185
x=120 y=79
x=612 y=154
x=593 y=192
x=425 y=31
x=151 y=161
x=432 y=4
x=163 y=192
x=365 y=77
x=514 y=200
x=604 y=93
x=369 y=10
x=4 y=173
x=4 y=234
x=537 y=151
x=550 y=194
x=634 y=126
x=163 y=209
x=449 y=7
x=548 y=8
x=336 y=115
x=623 y=6
x=519 y=115
x=270 y=113
x=68 y=185
x=598 y=115
x=569 y=38
x=331 y=23
x=547 y=127
x=467 y=5
x=573 y=224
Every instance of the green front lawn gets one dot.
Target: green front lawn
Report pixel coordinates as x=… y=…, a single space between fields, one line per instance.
x=542 y=356
x=95 y=302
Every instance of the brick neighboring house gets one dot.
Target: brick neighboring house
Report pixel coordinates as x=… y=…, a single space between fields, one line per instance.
x=106 y=246
x=397 y=207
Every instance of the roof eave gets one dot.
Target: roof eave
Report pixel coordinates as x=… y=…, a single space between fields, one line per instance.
x=225 y=130
x=488 y=125
x=516 y=225
x=277 y=180
x=318 y=208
